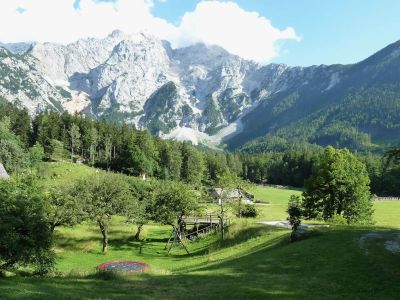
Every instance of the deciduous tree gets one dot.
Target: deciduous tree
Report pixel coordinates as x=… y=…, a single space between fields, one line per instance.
x=26 y=238
x=104 y=195
x=339 y=185
x=173 y=200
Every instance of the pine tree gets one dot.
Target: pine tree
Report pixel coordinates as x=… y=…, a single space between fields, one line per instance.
x=193 y=166
x=94 y=137
x=75 y=136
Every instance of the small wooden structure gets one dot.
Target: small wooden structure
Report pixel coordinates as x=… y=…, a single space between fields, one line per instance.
x=200 y=225
x=231 y=195
x=3 y=172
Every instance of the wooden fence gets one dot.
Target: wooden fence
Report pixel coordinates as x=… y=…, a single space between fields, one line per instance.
x=203 y=224
x=387 y=198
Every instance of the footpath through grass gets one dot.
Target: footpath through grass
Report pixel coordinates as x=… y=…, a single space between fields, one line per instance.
x=255 y=262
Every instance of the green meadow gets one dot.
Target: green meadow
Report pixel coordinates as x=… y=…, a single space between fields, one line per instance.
x=254 y=262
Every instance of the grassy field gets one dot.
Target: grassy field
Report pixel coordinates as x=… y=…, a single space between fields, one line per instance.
x=255 y=262
x=277 y=202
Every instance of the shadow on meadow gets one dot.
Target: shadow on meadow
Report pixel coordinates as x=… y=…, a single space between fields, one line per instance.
x=329 y=265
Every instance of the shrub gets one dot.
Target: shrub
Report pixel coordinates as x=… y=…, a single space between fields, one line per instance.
x=295 y=212
x=249 y=211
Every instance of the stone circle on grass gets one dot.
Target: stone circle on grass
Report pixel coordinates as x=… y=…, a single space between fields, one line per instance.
x=124 y=266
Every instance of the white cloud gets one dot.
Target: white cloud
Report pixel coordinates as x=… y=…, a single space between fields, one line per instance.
x=59 y=21
x=244 y=33
x=222 y=23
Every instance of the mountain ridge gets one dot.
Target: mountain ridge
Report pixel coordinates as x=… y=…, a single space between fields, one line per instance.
x=218 y=97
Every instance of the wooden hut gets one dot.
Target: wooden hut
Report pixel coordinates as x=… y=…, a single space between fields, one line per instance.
x=231 y=195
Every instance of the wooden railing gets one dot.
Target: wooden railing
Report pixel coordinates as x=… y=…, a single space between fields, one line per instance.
x=208 y=223
x=387 y=198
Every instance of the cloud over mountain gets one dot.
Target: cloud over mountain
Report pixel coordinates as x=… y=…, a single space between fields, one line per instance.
x=225 y=24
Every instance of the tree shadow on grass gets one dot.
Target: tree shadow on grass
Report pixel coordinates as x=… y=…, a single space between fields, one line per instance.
x=327 y=266
x=77 y=244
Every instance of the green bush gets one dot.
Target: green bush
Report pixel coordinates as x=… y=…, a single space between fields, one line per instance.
x=249 y=211
x=26 y=239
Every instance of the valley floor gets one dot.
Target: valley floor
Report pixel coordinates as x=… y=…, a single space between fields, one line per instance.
x=255 y=261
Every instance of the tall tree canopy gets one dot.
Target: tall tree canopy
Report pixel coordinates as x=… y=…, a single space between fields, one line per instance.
x=104 y=196
x=12 y=153
x=339 y=185
x=173 y=200
x=26 y=238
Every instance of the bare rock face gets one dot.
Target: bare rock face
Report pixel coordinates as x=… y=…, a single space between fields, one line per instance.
x=3 y=172
x=23 y=84
x=140 y=79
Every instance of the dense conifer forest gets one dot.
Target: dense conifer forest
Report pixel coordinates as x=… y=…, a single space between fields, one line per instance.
x=52 y=136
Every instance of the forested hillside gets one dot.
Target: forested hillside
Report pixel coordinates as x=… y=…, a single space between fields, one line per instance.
x=359 y=110
x=53 y=136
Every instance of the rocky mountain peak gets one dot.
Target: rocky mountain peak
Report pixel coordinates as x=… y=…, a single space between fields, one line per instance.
x=200 y=90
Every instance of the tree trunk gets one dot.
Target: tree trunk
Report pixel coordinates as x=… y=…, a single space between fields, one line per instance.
x=222 y=229
x=240 y=207
x=52 y=227
x=221 y=218
x=139 y=230
x=104 y=232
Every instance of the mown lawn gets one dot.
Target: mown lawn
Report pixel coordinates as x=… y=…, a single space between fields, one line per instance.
x=255 y=262
x=277 y=200
x=387 y=213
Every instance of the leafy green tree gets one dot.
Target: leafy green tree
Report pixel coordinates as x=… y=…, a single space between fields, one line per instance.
x=103 y=195
x=12 y=154
x=36 y=154
x=140 y=211
x=26 y=238
x=56 y=151
x=339 y=185
x=226 y=183
x=295 y=211
x=173 y=200
x=63 y=207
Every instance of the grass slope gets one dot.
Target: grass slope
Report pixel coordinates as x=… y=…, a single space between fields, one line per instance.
x=255 y=262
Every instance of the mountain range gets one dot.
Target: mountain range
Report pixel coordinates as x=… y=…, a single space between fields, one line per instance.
x=206 y=95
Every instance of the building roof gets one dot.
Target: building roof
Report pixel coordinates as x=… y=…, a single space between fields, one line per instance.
x=233 y=193
x=218 y=192
x=3 y=172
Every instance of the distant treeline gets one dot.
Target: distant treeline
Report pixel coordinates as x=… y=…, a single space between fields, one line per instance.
x=52 y=136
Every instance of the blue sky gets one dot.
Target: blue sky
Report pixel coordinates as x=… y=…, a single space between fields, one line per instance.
x=336 y=31
x=295 y=32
